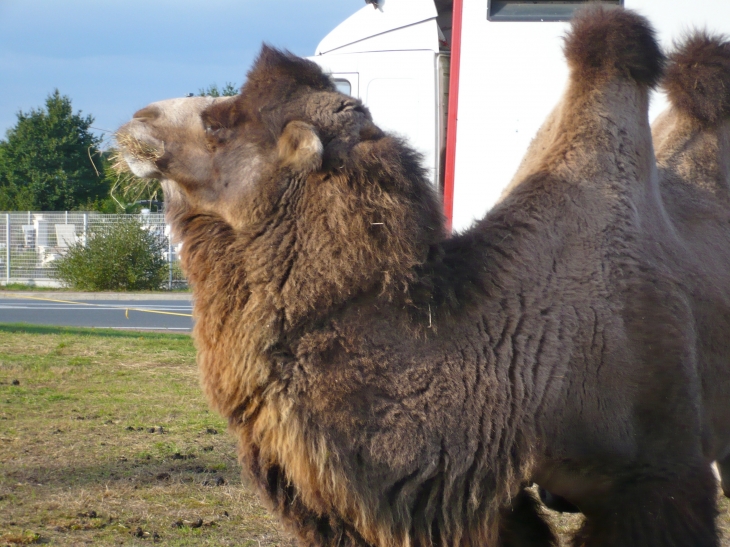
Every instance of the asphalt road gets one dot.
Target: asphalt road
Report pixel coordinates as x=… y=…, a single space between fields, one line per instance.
x=117 y=311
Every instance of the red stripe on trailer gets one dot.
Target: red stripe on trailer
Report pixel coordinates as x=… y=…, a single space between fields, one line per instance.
x=450 y=163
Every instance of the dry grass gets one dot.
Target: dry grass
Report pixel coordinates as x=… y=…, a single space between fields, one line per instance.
x=127 y=185
x=137 y=149
x=131 y=188
x=106 y=440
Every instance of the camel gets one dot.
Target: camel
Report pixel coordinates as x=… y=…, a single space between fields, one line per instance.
x=392 y=386
x=692 y=146
x=692 y=141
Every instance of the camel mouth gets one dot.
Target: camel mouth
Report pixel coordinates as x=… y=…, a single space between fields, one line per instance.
x=137 y=156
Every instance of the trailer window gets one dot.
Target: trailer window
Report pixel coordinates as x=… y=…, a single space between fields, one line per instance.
x=343 y=86
x=539 y=10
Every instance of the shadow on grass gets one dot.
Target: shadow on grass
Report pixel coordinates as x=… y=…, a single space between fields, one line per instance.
x=136 y=472
x=25 y=328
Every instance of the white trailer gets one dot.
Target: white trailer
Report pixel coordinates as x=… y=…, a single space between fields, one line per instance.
x=469 y=82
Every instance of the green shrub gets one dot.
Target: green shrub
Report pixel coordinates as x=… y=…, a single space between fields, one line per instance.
x=123 y=256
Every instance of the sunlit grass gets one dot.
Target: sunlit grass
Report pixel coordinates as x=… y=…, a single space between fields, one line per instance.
x=105 y=438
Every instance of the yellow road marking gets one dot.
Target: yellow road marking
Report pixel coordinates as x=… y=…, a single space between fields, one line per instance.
x=126 y=310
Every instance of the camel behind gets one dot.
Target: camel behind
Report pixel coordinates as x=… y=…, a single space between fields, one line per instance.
x=693 y=153
x=692 y=148
x=600 y=153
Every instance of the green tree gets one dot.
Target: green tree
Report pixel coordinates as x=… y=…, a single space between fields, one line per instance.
x=45 y=160
x=227 y=90
x=125 y=256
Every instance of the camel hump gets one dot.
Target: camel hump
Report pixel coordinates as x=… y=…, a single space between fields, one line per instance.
x=605 y=43
x=698 y=77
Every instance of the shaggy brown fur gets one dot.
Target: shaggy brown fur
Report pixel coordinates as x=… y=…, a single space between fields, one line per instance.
x=609 y=45
x=391 y=387
x=698 y=78
x=693 y=152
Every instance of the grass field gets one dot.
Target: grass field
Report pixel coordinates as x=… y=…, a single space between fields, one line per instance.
x=105 y=439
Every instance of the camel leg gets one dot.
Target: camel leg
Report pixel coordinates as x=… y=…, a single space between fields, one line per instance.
x=646 y=511
x=522 y=524
x=723 y=466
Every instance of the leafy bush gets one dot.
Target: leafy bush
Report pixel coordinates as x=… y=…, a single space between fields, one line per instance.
x=122 y=256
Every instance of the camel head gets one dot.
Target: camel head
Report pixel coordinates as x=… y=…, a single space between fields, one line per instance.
x=298 y=176
x=214 y=154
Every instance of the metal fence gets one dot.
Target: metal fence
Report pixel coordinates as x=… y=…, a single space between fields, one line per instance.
x=31 y=242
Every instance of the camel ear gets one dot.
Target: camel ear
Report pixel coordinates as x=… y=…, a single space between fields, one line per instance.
x=300 y=148
x=275 y=72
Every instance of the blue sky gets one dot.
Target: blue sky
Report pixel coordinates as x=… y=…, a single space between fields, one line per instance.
x=112 y=57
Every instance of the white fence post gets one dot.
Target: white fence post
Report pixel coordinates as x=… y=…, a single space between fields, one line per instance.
x=7 y=248
x=169 y=258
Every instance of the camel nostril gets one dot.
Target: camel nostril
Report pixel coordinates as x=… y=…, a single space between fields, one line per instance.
x=147 y=113
x=350 y=106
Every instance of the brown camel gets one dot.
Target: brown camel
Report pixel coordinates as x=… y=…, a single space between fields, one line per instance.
x=392 y=387
x=692 y=143
x=692 y=140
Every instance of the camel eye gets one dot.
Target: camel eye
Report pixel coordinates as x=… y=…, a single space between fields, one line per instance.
x=221 y=118
x=212 y=130
x=215 y=134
